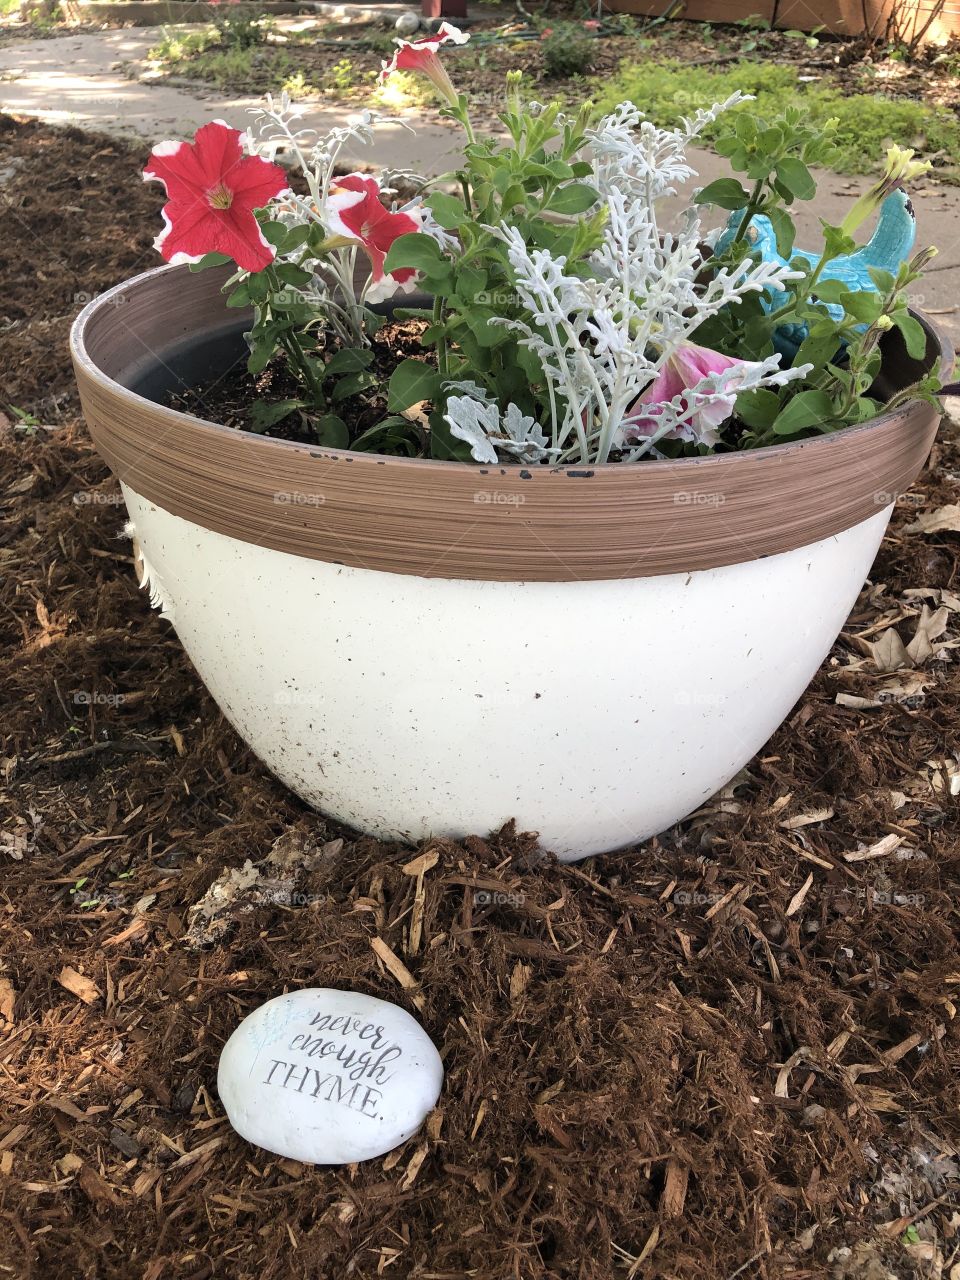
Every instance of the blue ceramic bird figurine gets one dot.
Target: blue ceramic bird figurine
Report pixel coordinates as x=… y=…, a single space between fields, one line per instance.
x=889 y=246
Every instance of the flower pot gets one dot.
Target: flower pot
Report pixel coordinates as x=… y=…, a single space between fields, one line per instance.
x=420 y=647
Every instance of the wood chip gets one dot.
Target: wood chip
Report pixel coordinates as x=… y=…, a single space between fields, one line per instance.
x=396 y=968
x=903 y=1048
x=481 y=1112
x=8 y=999
x=13 y=1137
x=421 y=865
x=674 y=1189
x=66 y=1108
x=878 y=850
x=519 y=980
x=83 y=988
x=94 y=1187
x=414 y=1167
x=806 y=819
x=796 y=902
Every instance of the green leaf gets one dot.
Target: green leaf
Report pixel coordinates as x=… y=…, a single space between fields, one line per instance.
x=211 y=260
x=264 y=413
x=797 y=178
x=575 y=198
x=414 y=250
x=833 y=291
x=758 y=408
x=725 y=193
x=445 y=445
x=258 y=286
x=349 y=360
x=332 y=432
x=863 y=305
x=836 y=242
x=783 y=229
x=264 y=344
x=448 y=210
x=296 y=237
x=562 y=171
x=394 y=435
x=808 y=409
x=291 y=274
x=883 y=280
x=412 y=313
x=818 y=348
x=240 y=297
x=470 y=284
x=914 y=334
x=274 y=232
x=411 y=382
x=353 y=383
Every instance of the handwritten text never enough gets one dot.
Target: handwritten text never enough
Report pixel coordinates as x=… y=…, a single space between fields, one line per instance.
x=365 y=1067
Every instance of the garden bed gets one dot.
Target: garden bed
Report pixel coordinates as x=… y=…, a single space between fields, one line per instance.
x=733 y=1048
x=669 y=71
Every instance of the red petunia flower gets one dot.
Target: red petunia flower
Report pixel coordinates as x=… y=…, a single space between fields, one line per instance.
x=214 y=189
x=421 y=56
x=354 y=211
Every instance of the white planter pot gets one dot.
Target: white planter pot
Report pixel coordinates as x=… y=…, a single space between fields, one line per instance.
x=414 y=689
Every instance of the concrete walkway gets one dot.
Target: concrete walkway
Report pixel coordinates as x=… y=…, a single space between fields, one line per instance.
x=80 y=80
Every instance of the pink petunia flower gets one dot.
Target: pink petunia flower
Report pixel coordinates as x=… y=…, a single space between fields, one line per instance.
x=421 y=56
x=682 y=372
x=355 y=211
x=214 y=189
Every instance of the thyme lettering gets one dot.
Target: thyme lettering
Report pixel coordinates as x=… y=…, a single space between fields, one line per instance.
x=331 y=1087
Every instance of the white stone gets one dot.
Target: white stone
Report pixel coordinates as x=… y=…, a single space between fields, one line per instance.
x=407 y=24
x=328 y=1077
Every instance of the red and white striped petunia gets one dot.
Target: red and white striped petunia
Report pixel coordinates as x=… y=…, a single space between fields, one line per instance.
x=421 y=56
x=213 y=190
x=354 y=211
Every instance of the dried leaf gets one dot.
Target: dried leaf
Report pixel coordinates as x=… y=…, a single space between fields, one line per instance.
x=942 y=520
x=888 y=652
x=930 y=627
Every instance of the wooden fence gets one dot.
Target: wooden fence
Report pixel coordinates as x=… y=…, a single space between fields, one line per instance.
x=896 y=21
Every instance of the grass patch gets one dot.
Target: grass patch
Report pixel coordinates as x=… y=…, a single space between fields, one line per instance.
x=211 y=56
x=868 y=122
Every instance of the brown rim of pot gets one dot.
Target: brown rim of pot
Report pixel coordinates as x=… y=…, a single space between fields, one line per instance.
x=454 y=520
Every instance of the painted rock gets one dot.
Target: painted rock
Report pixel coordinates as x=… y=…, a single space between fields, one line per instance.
x=328 y=1077
x=407 y=24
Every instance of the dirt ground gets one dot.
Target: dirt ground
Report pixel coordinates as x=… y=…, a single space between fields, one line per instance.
x=731 y=1052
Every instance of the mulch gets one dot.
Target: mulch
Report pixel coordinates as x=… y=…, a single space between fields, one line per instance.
x=730 y=1052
